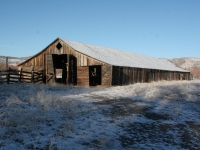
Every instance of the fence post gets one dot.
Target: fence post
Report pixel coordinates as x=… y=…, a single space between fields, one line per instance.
x=20 y=76
x=32 y=76
x=43 y=77
x=6 y=63
x=8 y=76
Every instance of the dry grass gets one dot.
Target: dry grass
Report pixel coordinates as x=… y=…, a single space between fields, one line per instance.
x=2 y=66
x=31 y=113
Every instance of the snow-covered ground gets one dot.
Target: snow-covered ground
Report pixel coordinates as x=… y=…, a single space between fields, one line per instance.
x=159 y=115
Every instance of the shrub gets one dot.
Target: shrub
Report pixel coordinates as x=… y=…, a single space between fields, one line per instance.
x=196 y=73
x=2 y=66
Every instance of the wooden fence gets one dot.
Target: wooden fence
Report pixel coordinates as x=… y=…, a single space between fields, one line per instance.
x=19 y=76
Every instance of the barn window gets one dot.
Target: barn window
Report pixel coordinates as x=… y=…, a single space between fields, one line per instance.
x=58 y=46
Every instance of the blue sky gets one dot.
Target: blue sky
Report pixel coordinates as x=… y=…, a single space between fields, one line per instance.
x=158 y=28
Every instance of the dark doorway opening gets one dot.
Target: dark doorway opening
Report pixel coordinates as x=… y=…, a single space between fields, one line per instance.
x=95 y=75
x=60 y=68
x=65 y=68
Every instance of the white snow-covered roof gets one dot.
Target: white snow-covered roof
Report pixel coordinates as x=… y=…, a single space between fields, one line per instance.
x=122 y=58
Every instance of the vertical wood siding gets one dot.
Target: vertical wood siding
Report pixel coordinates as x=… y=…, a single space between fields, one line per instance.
x=82 y=76
x=83 y=63
x=128 y=75
x=106 y=75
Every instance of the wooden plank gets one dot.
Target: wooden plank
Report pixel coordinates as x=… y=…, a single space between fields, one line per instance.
x=106 y=81
x=106 y=70
x=82 y=79
x=81 y=60
x=78 y=60
x=50 y=68
x=11 y=77
x=4 y=73
x=82 y=69
x=107 y=74
x=85 y=60
x=83 y=72
x=83 y=76
x=89 y=61
x=82 y=83
x=28 y=68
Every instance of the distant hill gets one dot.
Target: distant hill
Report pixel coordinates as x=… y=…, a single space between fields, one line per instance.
x=186 y=63
x=13 y=60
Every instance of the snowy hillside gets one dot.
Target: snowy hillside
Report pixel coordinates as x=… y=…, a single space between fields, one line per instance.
x=186 y=63
x=13 y=60
x=161 y=115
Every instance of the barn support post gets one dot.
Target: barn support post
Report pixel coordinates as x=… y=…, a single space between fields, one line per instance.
x=119 y=77
x=43 y=76
x=68 y=69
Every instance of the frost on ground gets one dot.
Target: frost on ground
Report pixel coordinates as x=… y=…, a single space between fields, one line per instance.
x=160 y=115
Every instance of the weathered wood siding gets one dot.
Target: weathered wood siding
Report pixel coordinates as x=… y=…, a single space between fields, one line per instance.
x=41 y=61
x=82 y=76
x=111 y=75
x=50 y=68
x=128 y=75
x=107 y=75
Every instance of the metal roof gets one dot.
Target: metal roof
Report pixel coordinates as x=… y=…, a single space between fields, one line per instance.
x=122 y=58
x=118 y=57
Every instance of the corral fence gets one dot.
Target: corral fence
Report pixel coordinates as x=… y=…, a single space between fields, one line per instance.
x=20 y=76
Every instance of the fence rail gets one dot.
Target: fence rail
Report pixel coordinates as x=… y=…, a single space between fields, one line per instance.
x=19 y=76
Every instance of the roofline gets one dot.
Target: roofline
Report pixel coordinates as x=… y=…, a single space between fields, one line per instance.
x=39 y=52
x=91 y=57
x=51 y=44
x=83 y=53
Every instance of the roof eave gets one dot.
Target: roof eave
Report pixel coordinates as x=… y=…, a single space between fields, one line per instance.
x=39 y=52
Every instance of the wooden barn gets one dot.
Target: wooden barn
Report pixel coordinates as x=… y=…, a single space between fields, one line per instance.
x=76 y=63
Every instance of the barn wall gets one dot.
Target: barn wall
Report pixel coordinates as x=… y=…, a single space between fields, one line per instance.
x=111 y=75
x=106 y=75
x=39 y=62
x=129 y=75
x=82 y=76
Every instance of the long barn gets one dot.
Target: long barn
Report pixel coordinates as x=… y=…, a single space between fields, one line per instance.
x=76 y=63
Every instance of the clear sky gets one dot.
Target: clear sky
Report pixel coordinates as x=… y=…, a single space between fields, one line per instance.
x=158 y=28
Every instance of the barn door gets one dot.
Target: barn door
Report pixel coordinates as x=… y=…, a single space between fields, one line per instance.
x=95 y=75
x=49 y=68
x=60 y=67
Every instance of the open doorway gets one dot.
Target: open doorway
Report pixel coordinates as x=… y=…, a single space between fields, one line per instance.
x=95 y=75
x=64 y=68
x=60 y=68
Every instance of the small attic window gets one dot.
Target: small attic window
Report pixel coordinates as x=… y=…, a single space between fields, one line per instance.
x=58 y=46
